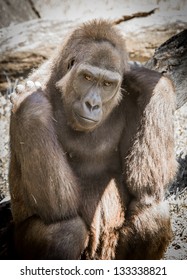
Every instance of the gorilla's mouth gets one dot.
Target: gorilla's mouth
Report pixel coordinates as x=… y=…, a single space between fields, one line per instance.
x=86 y=118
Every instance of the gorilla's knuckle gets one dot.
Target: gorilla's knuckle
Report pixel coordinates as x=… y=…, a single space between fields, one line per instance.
x=22 y=91
x=20 y=88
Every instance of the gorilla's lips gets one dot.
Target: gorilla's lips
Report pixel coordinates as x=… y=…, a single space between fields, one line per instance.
x=85 y=118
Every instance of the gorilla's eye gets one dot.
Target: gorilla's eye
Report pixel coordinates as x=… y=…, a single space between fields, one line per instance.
x=107 y=84
x=88 y=77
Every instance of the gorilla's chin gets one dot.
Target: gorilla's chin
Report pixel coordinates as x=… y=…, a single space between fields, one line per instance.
x=84 y=123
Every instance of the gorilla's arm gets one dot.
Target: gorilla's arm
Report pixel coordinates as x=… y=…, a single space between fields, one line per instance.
x=45 y=179
x=149 y=164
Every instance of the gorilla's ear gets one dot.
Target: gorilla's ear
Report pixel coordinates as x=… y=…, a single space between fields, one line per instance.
x=71 y=63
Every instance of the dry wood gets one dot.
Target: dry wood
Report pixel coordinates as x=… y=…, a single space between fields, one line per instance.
x=135 y=15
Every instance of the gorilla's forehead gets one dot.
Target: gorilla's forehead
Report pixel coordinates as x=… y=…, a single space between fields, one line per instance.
x=103 y=55
x=98 y=71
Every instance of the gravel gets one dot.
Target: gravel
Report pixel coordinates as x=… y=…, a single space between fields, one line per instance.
x=178 y=192
x=5 y=110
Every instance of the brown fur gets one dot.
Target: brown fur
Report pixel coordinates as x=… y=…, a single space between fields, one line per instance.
x=95 y=193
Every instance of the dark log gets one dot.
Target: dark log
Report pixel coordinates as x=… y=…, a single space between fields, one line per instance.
x=171 y=59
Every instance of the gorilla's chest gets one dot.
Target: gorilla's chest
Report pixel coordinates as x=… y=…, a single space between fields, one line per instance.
x=96 y=161
x=93 y=154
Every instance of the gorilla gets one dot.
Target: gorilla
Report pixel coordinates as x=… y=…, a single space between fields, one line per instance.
x=92 y=152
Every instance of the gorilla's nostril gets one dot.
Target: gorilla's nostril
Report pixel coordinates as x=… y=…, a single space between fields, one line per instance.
x=91 y=107
x=95 y=107
x=88 y=105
